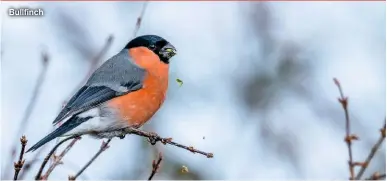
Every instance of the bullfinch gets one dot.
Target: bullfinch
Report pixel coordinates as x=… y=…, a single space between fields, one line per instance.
x=125 y=91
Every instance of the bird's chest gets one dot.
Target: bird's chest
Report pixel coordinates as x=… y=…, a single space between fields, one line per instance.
x=139 y=106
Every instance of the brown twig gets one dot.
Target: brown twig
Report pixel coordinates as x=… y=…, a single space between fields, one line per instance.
x=95 y=62
x=30 y=107
x=104 y=146
x=348 y=137
x=58 y=159
x=372 y=152
x=139 y=19
x=153 y=138
x=38 y=175
x=31 y=162
x=155 y=166
x=19 y=164
x=377 y=176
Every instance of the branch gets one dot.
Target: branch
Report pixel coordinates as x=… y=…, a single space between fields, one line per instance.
x=104 y=146
x=348 y=137
x=153 y=138
x=58 y=159
x=139 y=19
x=372 y=152
x=95 y=62
x=155 y=166
x=31 y=162
x=19 y=164
x=377 y=176
x=38 y=175
x=30 y=107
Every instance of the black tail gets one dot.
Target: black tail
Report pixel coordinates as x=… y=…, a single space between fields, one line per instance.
x=66 y=127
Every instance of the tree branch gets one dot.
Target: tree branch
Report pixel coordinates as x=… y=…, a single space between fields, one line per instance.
x=38 y=175
x=139 y=19
x=30 y=107
x=154 y=138
x=19 y=164
x=104 y=146
x=348 y=137
x=377 y=176
x=58 y=159
x=155 y=166
x=372 y=153
x=95 y=62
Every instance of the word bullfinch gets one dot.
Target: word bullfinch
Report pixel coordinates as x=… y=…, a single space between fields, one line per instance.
x=125 y=91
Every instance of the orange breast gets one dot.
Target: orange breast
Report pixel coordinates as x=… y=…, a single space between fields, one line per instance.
x=139 y=106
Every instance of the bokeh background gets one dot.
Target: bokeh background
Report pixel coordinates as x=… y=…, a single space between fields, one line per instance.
x=257 y=92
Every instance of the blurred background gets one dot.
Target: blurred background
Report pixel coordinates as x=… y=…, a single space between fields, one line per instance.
x=257 y=92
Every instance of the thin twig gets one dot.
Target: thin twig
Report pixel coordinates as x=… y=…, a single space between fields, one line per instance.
x=155 y=166
x=58 y=159
x=69 y=166
x=95 y=62
x=372 y=152
x=104 y=146
x=30 y=107
x=19 y=164
x=139 y=19
x=27 y=166
x=377 y=176
x=348 y=137
x=153 y=138
x=38 y=175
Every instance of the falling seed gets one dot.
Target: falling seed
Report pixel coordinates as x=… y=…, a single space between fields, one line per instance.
x=184 y=169
x=179 y=81
x=204 y=137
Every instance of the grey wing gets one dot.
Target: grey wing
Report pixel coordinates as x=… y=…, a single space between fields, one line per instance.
x=117 y=76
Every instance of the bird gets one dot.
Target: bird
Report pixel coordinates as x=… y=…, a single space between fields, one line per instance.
x=125 y=91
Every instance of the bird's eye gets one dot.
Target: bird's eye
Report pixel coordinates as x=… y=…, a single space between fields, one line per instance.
x=152 y=46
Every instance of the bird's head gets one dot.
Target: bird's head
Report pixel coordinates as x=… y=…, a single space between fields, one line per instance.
x=157 y=44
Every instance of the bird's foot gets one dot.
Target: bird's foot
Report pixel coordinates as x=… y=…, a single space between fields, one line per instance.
x=153 y=138
x=121 y=136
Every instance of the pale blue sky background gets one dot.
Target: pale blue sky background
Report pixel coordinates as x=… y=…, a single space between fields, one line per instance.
x=218 y=54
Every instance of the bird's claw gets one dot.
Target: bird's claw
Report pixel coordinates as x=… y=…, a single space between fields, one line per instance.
x=153 y=138
x=122 y=136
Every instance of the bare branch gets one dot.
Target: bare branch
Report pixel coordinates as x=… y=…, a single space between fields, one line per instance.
x=58 y=159
x=377 y=176
x=19 y=164
x=38 y=175
x=95 y=62
x=372 y=153
x=348 y=137
x=104 y=146
x=155 y=166
x=30 y=162
x=31 y=105
x=139 y=19
x=153 y=138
